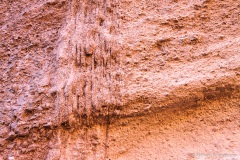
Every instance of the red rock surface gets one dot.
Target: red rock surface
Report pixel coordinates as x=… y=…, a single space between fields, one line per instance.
x=119 y=79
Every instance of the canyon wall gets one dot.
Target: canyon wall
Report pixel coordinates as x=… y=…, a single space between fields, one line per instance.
x=111 y=79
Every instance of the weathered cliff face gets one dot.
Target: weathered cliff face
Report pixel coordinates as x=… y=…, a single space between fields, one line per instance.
x=29 y=34
x=117 y=79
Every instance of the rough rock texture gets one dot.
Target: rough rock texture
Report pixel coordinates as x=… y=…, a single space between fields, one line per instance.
x=110 y=79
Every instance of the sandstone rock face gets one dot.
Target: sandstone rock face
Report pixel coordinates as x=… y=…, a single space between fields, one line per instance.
x=105 y=79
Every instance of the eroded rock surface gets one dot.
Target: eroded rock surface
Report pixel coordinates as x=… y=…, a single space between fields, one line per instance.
x=103 y=79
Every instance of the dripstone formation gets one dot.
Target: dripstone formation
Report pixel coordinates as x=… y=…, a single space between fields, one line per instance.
x=111 y=79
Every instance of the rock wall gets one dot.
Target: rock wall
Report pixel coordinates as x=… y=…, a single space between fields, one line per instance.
x=110 y=79
x=29 y=34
